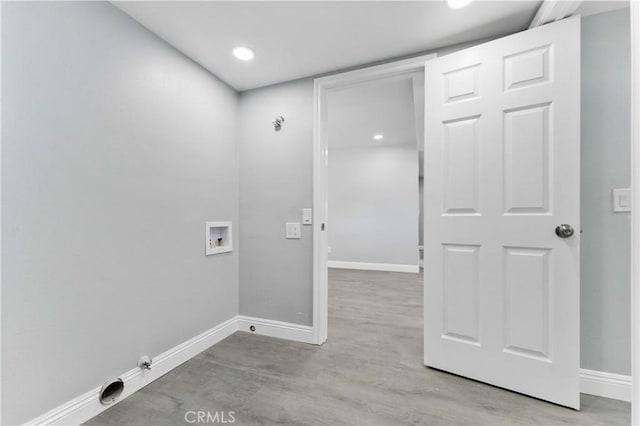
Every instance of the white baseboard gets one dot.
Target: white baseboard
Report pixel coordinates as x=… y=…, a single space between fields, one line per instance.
x=271 y=328
x=86 y=406
x=389 y=267
x=607 y=385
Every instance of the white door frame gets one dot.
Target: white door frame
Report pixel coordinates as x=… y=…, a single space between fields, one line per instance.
x=322 y=86
x=635 y=212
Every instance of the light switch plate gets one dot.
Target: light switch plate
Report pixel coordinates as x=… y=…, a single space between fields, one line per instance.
x=622 y=200
x=307 y=216
x=292 y=230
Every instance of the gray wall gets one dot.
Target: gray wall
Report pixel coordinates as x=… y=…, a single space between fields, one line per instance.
x=605 y=91
x=100 y=269
x=276 y=182
x=605 y=165
x=115 y=151
x=373 y=204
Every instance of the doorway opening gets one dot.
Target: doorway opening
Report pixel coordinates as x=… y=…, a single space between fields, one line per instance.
x=398 y=76
x=375 y=289
x=376 y=134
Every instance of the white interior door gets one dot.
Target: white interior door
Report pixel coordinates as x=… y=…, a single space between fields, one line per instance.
x=502 y=171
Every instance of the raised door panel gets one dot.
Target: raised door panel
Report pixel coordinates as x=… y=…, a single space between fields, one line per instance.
x=527 y=168
x=461 y=180
x=461 y=84
x=460 y=320
x=527 y=68
x=526 y=302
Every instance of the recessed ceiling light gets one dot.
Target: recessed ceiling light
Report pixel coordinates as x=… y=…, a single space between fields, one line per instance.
x=458 y=4
x=378 y=137
x=243 y=53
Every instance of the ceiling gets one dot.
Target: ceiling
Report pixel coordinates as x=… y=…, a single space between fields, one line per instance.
x=295 y=39
x=383 y=107
x=305 y=38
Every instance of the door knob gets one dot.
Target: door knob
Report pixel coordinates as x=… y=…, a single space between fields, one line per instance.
x=564 y=230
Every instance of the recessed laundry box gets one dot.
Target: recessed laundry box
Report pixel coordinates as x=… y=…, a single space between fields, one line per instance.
x=218 y=238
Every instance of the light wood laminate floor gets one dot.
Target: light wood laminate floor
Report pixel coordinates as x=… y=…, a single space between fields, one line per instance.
x=369 y=372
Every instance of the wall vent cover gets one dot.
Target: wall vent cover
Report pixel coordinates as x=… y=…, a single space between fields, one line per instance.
x=111 y=390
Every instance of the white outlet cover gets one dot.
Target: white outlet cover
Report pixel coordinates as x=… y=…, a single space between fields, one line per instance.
x=293 y=230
